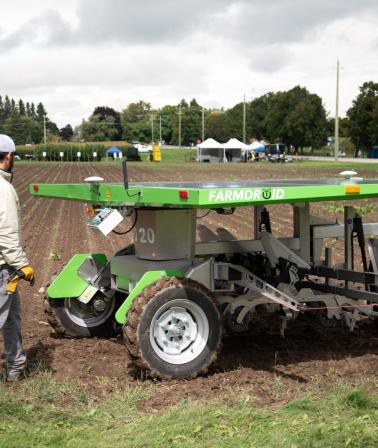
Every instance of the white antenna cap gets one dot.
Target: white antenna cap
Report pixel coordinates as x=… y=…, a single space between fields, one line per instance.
x=347 y=174
x=94 y=179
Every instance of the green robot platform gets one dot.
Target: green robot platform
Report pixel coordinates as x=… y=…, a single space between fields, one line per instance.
x=175 y=297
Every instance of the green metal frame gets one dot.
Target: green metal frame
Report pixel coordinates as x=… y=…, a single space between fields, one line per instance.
x=147 y=195
x=188 y=195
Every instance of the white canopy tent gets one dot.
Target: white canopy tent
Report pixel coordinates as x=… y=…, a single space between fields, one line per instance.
x=233 y=150
x=210 y=151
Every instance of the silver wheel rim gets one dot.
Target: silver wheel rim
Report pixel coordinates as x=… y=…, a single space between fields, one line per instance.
x=179 y=331
x=84 y=315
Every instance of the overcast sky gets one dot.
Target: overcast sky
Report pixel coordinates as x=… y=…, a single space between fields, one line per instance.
x=74 y=55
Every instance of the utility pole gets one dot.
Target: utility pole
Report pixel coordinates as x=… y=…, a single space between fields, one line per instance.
x=152 y=128
x=180 y=126
x=160 y=140
x=203 y=124
x=337 y=111
x=244 y=117
x=44 y=129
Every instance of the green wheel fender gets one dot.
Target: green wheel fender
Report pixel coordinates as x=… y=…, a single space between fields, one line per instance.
x=147 y=278
x=68 y=282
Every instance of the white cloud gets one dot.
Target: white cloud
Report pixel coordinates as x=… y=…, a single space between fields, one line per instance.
x=76 y=55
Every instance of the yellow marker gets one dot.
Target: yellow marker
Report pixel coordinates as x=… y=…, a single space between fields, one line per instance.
x=156 y=153
x=352 y=189
x=107 y=195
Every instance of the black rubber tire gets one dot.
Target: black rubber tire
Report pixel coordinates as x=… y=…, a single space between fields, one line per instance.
x=136 y=331
x=60 y=320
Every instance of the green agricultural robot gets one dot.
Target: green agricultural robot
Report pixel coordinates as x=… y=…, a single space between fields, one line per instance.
x=173 y=296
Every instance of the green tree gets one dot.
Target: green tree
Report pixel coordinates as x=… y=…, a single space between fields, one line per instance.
x=256 y=116
x=28 y=112
x=135 y=112
x=13 y=106
x=216 y=126
x=297 y=118
x=21 y=108
x=32 y=111
x=23 y=129
x=41 y=112
x=66 y=133
x=234 y=121
x=343 y=126
x=363 y=115
x=168 y=116
x=2 y=114
x=104 y=112
x=52 y=128
x=7 y=107
x=97 y=129
x=191 y=122
x=136 y=122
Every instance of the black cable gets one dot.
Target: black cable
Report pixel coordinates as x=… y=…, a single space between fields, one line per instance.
x=138 y=193
x=131 y=228
x=203 y=216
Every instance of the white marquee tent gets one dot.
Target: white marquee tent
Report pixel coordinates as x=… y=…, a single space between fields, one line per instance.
x=210 y=151
x=233 y=150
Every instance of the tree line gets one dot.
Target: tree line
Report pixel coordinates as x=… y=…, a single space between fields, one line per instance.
x=24 y=122
x=295 y=117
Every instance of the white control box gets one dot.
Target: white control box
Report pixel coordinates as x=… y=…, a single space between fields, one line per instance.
x=107 y=220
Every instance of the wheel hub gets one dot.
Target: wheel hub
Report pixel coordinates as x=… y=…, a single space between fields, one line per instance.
x=90 y=315
x=175 y=330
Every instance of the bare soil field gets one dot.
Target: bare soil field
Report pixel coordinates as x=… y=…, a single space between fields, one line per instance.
x=261 y=364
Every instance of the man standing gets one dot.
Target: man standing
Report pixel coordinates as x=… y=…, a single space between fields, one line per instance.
x=14 y=264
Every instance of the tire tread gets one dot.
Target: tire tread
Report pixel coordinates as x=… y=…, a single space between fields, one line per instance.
x=130 y=328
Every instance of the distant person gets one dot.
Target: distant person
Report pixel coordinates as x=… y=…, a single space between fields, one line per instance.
x=14 y=265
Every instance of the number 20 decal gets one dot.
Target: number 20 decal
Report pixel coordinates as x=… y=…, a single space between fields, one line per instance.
x=146 y=236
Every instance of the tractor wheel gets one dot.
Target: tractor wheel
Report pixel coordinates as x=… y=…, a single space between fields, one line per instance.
x=71 y=318
x=173 y=329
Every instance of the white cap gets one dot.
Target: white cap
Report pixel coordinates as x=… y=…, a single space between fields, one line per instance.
x=6 y=144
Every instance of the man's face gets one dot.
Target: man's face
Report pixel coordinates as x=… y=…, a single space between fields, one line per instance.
x=8 y=162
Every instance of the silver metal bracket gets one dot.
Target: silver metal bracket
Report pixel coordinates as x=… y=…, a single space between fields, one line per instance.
x=255 y=284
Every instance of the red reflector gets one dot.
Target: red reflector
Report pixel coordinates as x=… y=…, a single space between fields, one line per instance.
x=36 y=187
x=183 y=194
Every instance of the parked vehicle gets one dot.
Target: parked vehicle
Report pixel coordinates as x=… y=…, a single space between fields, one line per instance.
x=275 y=152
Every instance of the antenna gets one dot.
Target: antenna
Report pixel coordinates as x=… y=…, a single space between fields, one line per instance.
x=125 y=175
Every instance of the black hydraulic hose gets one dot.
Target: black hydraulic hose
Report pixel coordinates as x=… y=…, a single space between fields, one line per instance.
x=203 y=216
x=131 y=228
x=359 y=230
x=265 y=221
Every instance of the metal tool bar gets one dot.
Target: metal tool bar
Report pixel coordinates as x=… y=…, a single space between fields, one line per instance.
x=230 y=247
x=340 y=290
x=345 y=274
x=337 y=230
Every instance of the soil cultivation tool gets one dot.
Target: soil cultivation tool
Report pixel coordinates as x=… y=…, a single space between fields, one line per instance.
x=172 y=294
